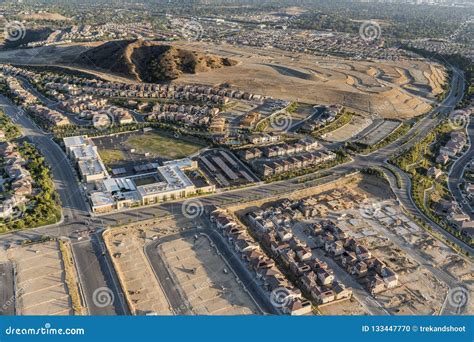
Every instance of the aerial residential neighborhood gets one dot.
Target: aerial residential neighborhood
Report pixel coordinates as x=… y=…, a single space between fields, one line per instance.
x=239 y=158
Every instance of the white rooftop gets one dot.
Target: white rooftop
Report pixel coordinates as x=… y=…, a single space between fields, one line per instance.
x=91 y=167
x=99 y=199
x=84 y=152
x=173 y=174
x=74 y=141
x=118 y=184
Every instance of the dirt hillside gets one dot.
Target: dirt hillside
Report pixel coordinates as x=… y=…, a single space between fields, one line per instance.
x=150 y=61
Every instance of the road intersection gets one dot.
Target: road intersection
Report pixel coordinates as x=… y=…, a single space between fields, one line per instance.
x=94 y=267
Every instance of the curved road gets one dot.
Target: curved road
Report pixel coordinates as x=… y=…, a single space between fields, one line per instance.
x=75 y=208
x=457 y=170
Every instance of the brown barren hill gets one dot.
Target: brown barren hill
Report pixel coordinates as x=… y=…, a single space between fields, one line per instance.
x=149 y=61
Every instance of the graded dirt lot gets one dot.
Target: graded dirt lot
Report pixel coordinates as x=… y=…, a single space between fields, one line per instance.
x=142 y=291
x=349 y=307
x=43 y=16
x=207 y=283
x=419 y=291
x=40 y=280
x=193 y=268
x=328 y=80
x=401 y=89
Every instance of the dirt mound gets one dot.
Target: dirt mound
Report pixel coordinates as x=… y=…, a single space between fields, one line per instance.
x=18 y=39
x=150 y=61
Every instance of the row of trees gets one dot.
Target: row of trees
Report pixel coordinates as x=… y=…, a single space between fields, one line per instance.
x=6 y=125
x=416 y=162
x=44 y=206
x=342 y=119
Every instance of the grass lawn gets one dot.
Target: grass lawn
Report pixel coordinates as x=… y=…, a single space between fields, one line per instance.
x=110 y=156
x=162 y=145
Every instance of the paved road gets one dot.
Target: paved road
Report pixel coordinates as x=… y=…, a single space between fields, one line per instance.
x=368 y=302
x=7 y=289
x=74 y=118
x=316 y=114
x=457 y=170
x=65 y=180
x=404 y=196
x=261 y=191
x=52 y=104
x=75 y=210
x=177 y=300
x=418 y=132
x=423 y=126
x=421 y=259
x=96 y=272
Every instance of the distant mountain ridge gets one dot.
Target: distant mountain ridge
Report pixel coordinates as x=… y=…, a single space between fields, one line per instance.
x=149 y=61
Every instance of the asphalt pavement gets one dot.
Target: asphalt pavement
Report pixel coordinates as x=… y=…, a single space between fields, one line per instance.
x=76 y=211
x=97 y=277
x=7 y=289
x=455 y=176
x=74 y=207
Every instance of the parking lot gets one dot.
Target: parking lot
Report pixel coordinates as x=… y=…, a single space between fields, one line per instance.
x=380 y=132
x=40 y=280
x=143 y=292
x=7 y=299
x=206 y=284
x=224 y=169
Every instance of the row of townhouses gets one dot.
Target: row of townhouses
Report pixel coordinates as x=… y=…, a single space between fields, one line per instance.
x=264 y=267
x=18 y=179
x=274 y=166
x=288 y=149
